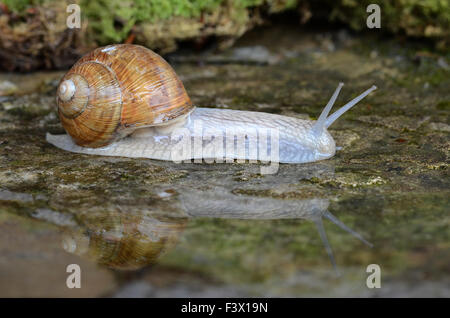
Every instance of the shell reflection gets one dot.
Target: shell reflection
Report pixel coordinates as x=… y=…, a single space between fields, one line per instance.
x=121 y=240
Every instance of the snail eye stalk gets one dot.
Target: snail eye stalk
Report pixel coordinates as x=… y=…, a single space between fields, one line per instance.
x=320 y=123
x=330 y=120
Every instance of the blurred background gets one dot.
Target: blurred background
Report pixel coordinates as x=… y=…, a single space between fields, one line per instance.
x=145 y=228
x=34 y=34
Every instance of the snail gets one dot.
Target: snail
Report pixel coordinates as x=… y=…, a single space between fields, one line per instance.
x=126 y=100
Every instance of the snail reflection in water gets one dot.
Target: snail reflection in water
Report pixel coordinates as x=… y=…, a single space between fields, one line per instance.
x=121 y=241
x=125 y=100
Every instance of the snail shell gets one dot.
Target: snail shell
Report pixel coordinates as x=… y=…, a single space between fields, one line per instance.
x=113 y=90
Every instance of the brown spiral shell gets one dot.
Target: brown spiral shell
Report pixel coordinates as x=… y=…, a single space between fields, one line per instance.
x=115 y=89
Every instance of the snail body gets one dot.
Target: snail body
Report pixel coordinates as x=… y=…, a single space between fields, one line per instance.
x=125 y=100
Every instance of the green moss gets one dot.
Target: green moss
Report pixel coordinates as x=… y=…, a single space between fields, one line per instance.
x=113 y=20
x=21 y=5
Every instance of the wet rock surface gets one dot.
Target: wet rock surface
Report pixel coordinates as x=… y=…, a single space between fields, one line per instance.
x=147 y=228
